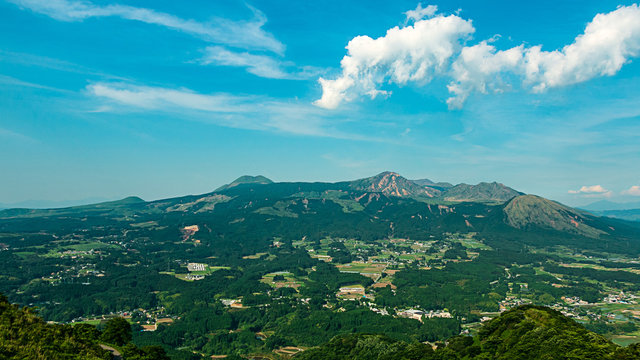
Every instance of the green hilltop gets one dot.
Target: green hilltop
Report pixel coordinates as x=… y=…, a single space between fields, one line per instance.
x=524 y=333
x=530 y=210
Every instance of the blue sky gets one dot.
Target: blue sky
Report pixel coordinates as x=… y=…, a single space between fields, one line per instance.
x=159 y=98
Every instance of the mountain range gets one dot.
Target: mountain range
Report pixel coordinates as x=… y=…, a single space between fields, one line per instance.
x=515 y=209
x=626 y=211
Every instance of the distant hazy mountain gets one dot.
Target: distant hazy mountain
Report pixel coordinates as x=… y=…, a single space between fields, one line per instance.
x=442 y=186
x=49 y=204
x=126 y=205
x=483 y=192
x=631 y=214
x=604 y=205
x=246 y=179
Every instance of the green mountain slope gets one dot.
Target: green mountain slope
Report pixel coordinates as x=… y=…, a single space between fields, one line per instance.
x=533 y=211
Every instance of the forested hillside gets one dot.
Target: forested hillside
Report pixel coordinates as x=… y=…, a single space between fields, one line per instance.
x=526 y=332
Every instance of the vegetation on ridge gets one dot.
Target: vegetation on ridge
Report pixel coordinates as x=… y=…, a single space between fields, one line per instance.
x=527 y=332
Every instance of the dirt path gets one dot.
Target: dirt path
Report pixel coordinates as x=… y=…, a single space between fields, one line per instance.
x=114 y=352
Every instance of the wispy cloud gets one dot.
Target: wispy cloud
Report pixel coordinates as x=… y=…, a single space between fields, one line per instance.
x=4 y=79
x=247 y=34
x=246 y=112
x=151 y=98
x=226 y=34
x=436 y=46
x=27 y=59
x=260 y=65
x=8 y=134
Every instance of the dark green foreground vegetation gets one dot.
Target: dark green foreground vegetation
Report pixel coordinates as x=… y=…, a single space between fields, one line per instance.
x=24 y=335
x=527 y=332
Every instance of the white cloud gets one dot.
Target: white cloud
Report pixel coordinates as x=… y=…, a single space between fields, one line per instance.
x=420 y=13
x=633 y=191
x=413 y=53
x=432 y=47
x=259 y=65
x=592 y=191
x=243 y=34
x=589 y=190
x=478 y=68
x=608 y=42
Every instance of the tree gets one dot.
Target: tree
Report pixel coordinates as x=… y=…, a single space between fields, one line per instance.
x=117 y=331
x=131 y=352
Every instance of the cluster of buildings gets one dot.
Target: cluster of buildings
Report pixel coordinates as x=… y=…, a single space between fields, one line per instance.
x=621 y=298
x=574 y=300
x=353 y=293
x=232 y=303
x=512 y=301
x=419 y=314
x=197 y=267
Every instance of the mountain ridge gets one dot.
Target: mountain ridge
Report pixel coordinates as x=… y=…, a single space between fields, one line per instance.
x=370 y=195
x=245 y=179
x=393 y=184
